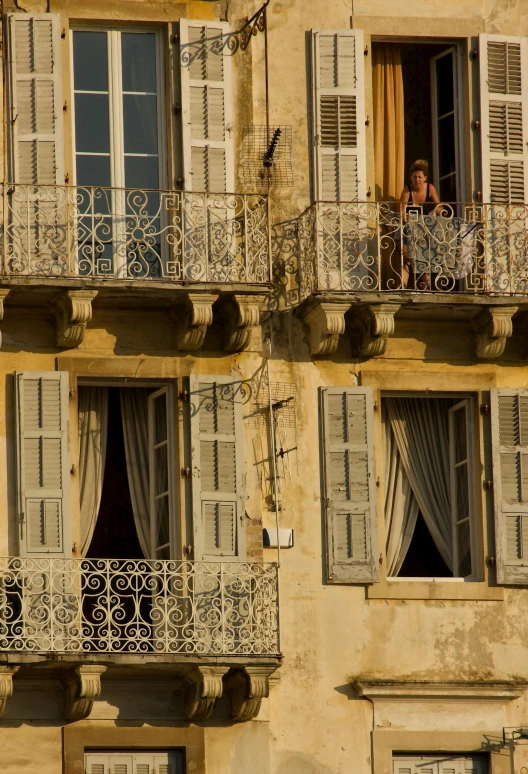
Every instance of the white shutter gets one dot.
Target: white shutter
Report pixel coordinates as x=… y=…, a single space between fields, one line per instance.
x=42 y=463
x=504 y=118
x=161 y=467
x=96 y=764
x=339 y=115
x=350 y=488
x=206 y=109
x=509 y=433
x=217 y=461
x=36 y=98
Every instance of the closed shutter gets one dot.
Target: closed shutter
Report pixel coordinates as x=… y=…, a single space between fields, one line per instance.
x=42 y=461
x=509 y=428
x=97 y=764
x=36 y=98
x=206 y=109
x=350 y=489
x=134 y=763
x=217 y=436
x=437 y=764
x=504 y=118
x=339 y=115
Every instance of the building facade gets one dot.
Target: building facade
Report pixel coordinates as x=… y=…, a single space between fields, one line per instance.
x=264 y=419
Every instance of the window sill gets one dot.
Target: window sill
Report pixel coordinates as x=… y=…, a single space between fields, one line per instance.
x=448 y=589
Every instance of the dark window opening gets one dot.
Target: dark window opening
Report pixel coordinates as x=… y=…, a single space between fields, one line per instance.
x=423 y=558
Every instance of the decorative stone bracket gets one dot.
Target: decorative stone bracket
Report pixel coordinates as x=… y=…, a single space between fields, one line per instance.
x=240 y=317
x=82 y=685
x=492 y=327
x=325 y=321
x=6 y=685
x=203 y=686
x=73 y=310
x=370 y=328
x=248 y=687
x=192 y=317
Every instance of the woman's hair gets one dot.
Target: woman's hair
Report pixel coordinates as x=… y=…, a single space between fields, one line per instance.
x=420 y=165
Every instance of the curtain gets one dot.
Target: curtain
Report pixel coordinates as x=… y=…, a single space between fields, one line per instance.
x=134 y=412
x=401 y=506
x=389 y=130
x=93 y=431
x=421 y=432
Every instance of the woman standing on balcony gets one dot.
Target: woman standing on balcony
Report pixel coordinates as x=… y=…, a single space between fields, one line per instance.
x=419 y=193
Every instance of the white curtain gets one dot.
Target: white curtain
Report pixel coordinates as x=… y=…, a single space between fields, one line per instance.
x=401 y=506
x=134 y=411
x=93 y=431
x=421 y=431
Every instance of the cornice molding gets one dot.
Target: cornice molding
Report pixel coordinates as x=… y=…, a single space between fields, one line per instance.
x=420 y=690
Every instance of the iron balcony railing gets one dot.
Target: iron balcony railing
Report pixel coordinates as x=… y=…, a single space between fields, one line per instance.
x=131 y=234
x=375 y=247
x=138 y=606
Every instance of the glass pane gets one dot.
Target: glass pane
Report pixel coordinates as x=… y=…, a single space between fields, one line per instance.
x=464 y=549
x=161 y=508
x=161 y=473
x=140 y=117
x=160 y=419
x=446 y=145
x=93 y=170
x=139 y=61
x=92 y=129
x=444 y=84
x=90 y=61
x=460 y=437
x=448 y=189
x=141 y=172
x=462 y=493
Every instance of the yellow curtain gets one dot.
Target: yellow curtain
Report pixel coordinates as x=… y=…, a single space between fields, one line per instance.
x=389 y=130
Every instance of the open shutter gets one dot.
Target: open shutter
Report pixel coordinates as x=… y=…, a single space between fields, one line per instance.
x=509 y=433
x=206 y=109
x=350 y=488
x=161 y=466
x=504 y=118
x=36 y=98
x=217 y=436
x=42 y=461
x=339 y=115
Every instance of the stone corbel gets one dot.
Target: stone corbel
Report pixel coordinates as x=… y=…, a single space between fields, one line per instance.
x=4 y=292
x=82 y=685
x=73 y=310
x=6 y=685
x=203 y=686
x=248 y=687
x=240 y=317
x=492 y=327
x=326 y=323
x=192 y=318
x=370 y=328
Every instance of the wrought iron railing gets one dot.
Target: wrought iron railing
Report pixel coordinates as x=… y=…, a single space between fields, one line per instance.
x=131 y=234
x=138 y=606
x=375 y=247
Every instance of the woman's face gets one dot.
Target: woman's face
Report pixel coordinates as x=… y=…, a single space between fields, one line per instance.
x=418 y=179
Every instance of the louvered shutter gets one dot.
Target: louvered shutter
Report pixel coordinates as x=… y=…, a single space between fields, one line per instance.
x=42 y=463
x=339 y=115
x=350 y=488
x=504 y=118
x=97 y=764
x=36 y=98
x=206 y=109
x=509 y=427
x=217 y=460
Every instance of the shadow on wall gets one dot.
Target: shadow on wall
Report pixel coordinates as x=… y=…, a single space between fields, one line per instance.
x=298 y=763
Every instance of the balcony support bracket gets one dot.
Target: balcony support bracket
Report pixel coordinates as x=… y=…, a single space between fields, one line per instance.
x=248 y=687
x=73 y=310
x=493 y=326
x=203 y=686
x=240 y=317
x=370 y=327
x=192 y=317
x=6 y=685
x=82 y=685
x=325 y=321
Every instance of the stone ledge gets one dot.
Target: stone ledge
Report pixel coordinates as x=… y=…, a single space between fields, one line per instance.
x=425 y=690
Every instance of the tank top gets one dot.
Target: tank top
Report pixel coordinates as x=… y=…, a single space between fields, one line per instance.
x=425 y=205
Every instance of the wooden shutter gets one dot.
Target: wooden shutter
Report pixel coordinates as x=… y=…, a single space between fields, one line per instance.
x=161 y=467
x=42 y=461
x=339 y=115
x=206 y=109
x=350 y=488
x=509 y=429
x=217 y=437
x=36 y=98
x=134 y=763
x=504 y=118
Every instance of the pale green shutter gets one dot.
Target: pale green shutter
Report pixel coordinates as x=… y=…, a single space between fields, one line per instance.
x=350 y=489
x=509 y=430
x=217 y=460
x=36 y=98
x=97 y=764
x=339 y=115
x=206 y=109
x=42 y=461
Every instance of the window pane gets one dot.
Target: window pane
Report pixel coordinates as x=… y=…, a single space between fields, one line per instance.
x=160 y=419
x=141 y=172
x=93 y=170
x=90 y=61
x=161 y=475
x=444 y=84
x=161 y=508
x=464 y=549
x=92 y=130
x=462 y=493
x=141 y=123
x=459 y=421
x=446 y=145
x=139 y=61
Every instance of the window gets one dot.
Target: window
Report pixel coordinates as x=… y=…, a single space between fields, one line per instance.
x=439 y=764
x=123 y=762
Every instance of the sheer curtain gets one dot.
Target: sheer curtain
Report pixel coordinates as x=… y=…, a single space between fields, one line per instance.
x=134 y=411
x=93 y=431
x=389 y=128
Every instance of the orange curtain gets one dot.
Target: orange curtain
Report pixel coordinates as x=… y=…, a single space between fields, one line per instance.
x=389 y=130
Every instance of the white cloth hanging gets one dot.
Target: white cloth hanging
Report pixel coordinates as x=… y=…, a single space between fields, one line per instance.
x=134 y=412
x=93 y=431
